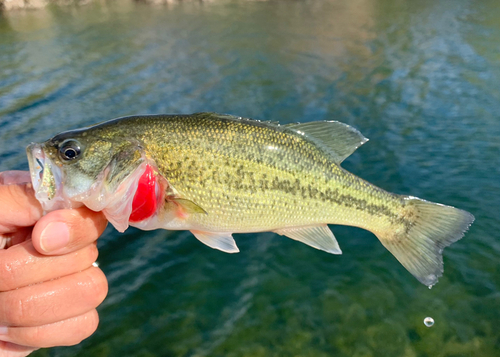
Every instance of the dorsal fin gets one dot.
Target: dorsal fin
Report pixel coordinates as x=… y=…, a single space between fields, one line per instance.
x=274 y=123
x=338 y=139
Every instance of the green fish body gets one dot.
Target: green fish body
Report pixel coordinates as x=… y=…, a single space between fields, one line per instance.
x=217 y=174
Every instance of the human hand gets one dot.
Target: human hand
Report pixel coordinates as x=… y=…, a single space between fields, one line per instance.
x=49 y=288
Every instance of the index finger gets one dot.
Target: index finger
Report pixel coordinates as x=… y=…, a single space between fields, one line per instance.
x=14 y=176
x=19 y=207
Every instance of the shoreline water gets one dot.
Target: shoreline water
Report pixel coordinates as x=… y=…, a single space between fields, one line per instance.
x=15 y=5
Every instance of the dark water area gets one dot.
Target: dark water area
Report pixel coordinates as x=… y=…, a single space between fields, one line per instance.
x=419 y=79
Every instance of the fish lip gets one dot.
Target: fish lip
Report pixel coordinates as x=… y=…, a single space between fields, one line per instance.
x=36 y=160
x=45 y=178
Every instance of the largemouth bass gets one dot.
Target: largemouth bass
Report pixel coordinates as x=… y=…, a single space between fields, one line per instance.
x=216 y=175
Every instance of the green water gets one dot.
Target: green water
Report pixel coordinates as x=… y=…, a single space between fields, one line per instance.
x=420 y=79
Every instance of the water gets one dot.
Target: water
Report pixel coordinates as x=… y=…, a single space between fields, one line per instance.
x=419 y=79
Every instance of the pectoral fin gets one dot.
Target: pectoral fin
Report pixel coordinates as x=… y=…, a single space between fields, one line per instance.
x=319 y=237
x=187 y=206
x=217 y=240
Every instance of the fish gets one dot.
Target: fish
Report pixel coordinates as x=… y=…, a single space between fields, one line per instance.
x=218 y=174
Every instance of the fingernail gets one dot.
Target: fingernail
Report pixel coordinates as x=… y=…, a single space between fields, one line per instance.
x=4 y=330
x=55 y=236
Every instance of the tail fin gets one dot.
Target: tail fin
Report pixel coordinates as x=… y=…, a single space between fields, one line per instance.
x=419 y=247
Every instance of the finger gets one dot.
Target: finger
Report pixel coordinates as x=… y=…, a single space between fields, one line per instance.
x=53 y=301
x=8 y=349
x=20 y=208
x=20 y=235
x=14 y=177
x=67 y=230
x=22 y=265
x=63 y=333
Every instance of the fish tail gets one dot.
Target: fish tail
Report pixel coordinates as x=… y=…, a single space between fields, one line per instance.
x=428 y=228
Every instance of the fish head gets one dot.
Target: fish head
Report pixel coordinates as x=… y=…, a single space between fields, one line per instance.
x=87 y=167
x=64 y=168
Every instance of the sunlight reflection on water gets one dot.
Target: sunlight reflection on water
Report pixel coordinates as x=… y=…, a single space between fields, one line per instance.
x=419 y=79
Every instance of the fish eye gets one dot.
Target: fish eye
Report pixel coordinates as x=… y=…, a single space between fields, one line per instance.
x=70 y=150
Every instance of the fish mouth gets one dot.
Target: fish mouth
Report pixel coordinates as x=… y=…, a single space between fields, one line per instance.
x=46 y=178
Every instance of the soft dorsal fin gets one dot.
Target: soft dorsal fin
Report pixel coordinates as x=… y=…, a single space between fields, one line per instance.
x=319 y=237
x=338 y=139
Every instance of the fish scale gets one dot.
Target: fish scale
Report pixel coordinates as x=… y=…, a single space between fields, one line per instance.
x=224 y=169
x=223 y=174
x=272 y=196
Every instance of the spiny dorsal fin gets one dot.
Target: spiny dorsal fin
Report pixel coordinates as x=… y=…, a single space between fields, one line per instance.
x=338 y=139
x=274 y=123
x=319 y=237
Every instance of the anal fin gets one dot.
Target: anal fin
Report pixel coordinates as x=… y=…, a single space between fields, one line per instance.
x=319 y=237
x=218 y=240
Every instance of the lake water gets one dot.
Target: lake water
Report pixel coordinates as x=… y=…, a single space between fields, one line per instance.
x=420 y=79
